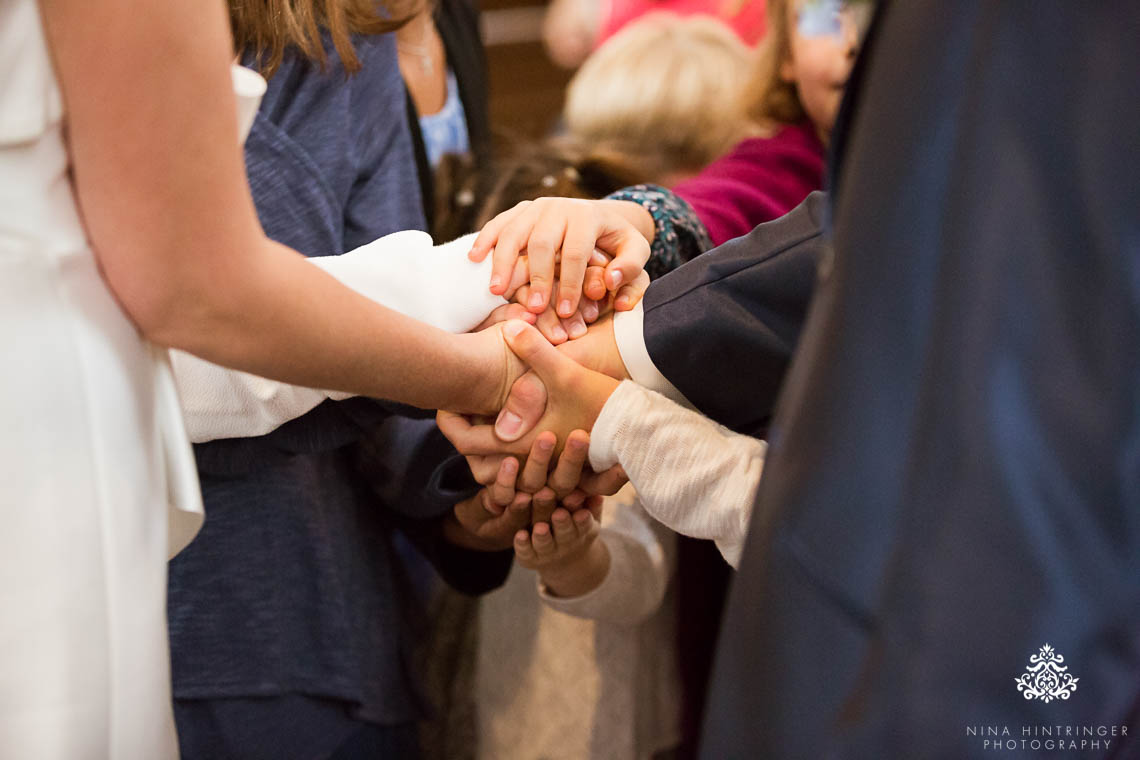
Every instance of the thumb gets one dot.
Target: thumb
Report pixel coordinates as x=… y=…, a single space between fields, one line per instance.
x=523 y=408
x=528 y=344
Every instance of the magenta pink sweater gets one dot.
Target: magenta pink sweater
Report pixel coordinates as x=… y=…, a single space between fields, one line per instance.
x=761 y=179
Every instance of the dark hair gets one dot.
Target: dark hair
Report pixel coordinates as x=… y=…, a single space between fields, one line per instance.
x=467 y=200
x=267 y=28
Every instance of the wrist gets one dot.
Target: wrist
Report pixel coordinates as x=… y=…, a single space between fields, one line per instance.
x=636 y=215
x=487 y=360
x=614 y=365
x=579 y=574
x=457 y=535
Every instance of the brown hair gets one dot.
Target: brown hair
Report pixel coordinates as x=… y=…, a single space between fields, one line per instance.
x=467 y=199
x=773 y=98
x=267 y=28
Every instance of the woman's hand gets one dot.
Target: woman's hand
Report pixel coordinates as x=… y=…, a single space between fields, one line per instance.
x=572 y=228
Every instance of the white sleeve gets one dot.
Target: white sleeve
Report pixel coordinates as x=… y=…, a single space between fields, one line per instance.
x=642 y=559
x=694 y=475
x=403 y=271
x=629 y=334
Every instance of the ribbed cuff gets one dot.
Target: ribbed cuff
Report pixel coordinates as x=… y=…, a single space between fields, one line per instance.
x=612 y=420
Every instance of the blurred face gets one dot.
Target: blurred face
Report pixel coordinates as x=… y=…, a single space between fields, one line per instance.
x=824 y=42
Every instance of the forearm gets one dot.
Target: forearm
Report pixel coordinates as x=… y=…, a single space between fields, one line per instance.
x=397 y=271
x=693 y=475
x=160 y=181
x=281 y=317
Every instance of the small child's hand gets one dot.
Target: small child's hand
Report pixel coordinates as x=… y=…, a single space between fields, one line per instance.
x=549 y=228
x=544 y=547
x=568 y=557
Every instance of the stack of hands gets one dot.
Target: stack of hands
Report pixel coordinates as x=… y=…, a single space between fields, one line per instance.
x=585 y=259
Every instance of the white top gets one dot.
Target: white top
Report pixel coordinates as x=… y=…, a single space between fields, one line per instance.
x=97 y=480
x=694 y=475
x=588 y=677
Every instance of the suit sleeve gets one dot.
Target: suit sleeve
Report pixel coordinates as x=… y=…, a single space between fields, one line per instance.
x=721 y=329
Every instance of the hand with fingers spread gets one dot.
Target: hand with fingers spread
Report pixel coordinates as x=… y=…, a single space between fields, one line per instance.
x=567 y=554
x=564 y=233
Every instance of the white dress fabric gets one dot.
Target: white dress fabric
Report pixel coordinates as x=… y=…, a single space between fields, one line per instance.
x=97 y=481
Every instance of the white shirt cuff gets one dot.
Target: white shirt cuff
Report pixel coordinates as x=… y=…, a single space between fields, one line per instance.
x=629 y=334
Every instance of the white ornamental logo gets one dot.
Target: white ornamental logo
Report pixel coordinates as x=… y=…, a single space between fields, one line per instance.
x=1046 y=678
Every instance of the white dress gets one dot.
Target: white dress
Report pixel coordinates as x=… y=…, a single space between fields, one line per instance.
x=97 y=481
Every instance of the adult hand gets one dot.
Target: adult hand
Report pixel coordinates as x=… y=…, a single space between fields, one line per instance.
x=596 y=350
x=545 y=227
x=576 y=396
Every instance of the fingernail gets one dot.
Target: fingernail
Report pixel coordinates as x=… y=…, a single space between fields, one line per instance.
x=529 y=317
x=510 y=466
x=545 y=444
x=564 y=307
x=513 y=327
x=622 y=303
x=577 y=329
x=496 y=281
x=508 y=423
x=558 y=333
x=536 y=301
x=591 y=312
x=615 y=279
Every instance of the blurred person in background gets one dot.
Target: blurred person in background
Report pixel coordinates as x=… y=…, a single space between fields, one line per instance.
x=444 y=67
x=667 y=92
x=572 y=29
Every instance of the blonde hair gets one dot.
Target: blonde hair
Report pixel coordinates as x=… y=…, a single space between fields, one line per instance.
x=771 y=98
x=664 y=90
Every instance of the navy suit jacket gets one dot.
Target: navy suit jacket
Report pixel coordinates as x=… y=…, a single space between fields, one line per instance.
x=722 y=327
x=953 y=481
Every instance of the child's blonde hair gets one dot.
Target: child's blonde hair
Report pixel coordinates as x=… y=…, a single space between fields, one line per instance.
x=665 y=90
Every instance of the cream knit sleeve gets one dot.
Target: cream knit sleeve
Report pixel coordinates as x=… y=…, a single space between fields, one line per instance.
x=695 y=476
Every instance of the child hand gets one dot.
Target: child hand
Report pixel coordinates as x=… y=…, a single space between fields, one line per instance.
x=574 y=227
x=478 y=523
x=572 y=395
x=567 y=555
x=558 y=329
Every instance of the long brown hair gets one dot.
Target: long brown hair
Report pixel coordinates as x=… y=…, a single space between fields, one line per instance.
x=773 y=98
x=267 y=28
